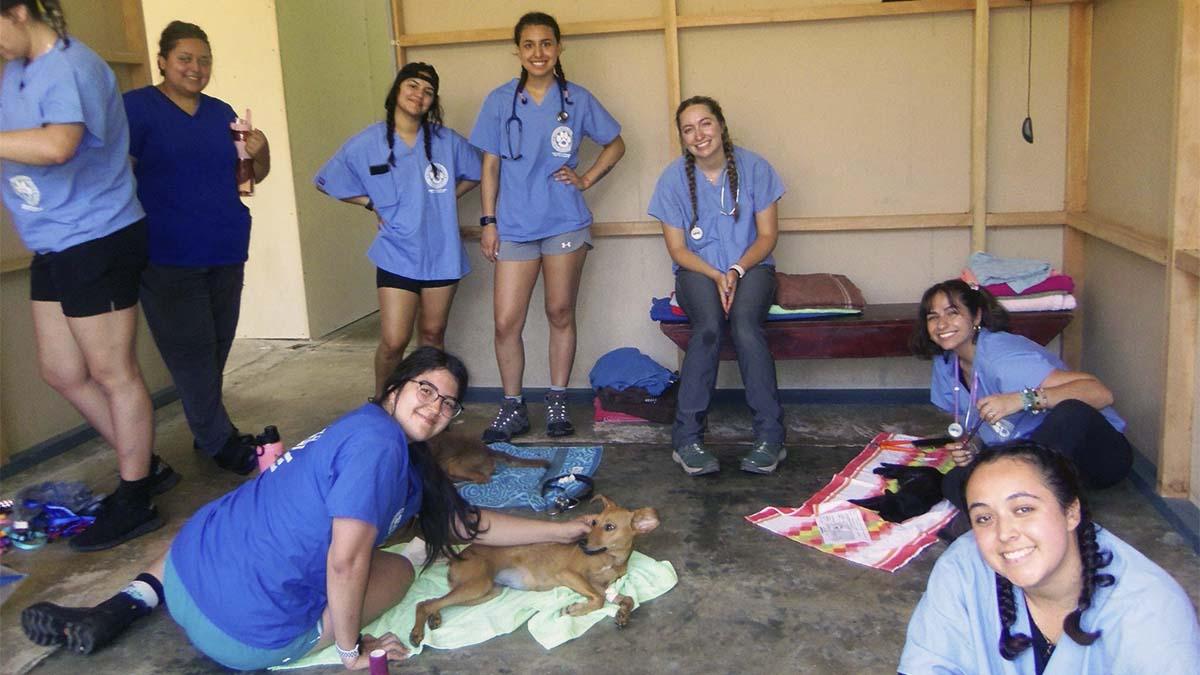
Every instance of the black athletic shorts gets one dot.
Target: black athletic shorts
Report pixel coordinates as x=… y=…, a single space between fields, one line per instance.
x=95 y=277
x=385 y=279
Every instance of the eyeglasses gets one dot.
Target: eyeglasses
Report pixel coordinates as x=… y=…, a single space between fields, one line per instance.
x=428 y=393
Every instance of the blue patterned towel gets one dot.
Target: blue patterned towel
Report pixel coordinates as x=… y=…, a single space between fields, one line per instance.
x=513 y=486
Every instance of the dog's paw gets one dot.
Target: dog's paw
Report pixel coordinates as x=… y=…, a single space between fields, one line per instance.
x=416 y=636
x=435 y=621
x=622 y=618
x=578 y=609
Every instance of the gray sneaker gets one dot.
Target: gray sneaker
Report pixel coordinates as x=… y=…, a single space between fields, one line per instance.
x=695 y=460
x=511 y=420
x=763 y=457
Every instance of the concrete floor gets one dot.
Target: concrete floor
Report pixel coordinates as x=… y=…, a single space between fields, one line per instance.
x=747 y=601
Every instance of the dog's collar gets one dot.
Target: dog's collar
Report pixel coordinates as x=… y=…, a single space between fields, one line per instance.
x=589 y=551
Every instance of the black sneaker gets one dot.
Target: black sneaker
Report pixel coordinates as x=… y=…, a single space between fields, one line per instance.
x=123 y=517
x=82 y=630
x=240 y=454
x=511 y=420
x=46 y=624
x=162 y=476
x=557 y=422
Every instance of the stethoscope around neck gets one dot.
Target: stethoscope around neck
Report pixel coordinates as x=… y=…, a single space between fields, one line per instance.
x=564 y=99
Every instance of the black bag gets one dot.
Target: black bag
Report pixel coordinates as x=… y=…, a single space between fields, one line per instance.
x=641 y=403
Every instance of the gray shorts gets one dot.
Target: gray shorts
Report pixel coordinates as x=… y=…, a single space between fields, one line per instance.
x=559 y=244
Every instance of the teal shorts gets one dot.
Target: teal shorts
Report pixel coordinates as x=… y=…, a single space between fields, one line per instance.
x=219 y=645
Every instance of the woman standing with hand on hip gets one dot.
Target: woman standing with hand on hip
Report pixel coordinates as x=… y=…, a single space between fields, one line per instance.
x=64 y=150
x=718 y=208
x=410 y=170
x=534 y=217
x=184 y=161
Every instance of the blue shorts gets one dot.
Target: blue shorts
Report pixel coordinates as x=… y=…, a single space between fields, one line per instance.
x=219 y=645
x=559 y=244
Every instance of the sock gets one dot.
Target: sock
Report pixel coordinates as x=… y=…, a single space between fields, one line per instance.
x=135 y=491
x=143 y=593
x=516 y=399
x=557 y=390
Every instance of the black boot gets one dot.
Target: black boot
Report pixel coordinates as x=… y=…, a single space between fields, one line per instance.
x=82 y=630
x=127 y=513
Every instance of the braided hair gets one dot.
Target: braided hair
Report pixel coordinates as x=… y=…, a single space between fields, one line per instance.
x=431 y=120
x=974 y=299
x=689 y=160
x=441 y=505
x=46 y=11
x=540 y=19
x=1061 y=478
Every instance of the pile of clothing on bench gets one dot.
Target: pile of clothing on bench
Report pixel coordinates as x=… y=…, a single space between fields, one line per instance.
x=799 y=296
x=1021 y=285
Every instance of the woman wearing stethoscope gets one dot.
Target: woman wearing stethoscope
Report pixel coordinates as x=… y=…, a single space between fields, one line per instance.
x=717 y=205
x=534 y=216
x=1010 y=387
x=409 y=170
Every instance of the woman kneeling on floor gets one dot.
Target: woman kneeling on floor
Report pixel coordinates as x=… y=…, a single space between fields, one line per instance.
x=1038 y=587
x=286 y=564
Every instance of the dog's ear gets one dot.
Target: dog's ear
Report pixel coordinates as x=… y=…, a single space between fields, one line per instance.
x=605 y=501
x=645 y=520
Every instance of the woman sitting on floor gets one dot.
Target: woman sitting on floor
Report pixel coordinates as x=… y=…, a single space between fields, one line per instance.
x=721 y=245
x=1015 y=386
x=286 y=564
x=1038 y=587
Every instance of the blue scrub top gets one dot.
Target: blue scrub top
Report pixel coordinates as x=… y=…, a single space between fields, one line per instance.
x=1005 y=363
x=90 y=196
x=1147 y=622
x=533 y=205
x=419 y=238
x=723 y=239
x=255 y=560
x=185 y=168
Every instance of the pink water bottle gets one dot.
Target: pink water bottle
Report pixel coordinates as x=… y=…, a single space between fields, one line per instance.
x=241 y=129
x=270 y=448
x=378 y=662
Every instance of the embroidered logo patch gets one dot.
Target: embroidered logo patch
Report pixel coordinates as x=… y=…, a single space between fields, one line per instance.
x=561 y=139
x=438 y=183
x=28 y=191
x=396 y=520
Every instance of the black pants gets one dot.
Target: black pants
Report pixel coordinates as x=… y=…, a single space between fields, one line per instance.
x=1102 y=455
x=193 y=315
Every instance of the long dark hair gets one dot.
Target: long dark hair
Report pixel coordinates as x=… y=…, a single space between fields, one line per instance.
x=53 y=14
x=1059 y=474
x=441 y=505
x=540 y=19
x=689 y=160
x=431 y=121
x=974 y=299
x=176 y=31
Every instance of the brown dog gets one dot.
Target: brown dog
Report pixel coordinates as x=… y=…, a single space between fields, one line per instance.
x=468 y=459
x=587 y=568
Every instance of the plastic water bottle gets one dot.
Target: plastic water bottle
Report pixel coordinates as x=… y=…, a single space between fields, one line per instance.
x=241 y=129
x=270 y=448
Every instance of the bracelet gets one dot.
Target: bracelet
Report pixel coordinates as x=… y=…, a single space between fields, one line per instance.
x=370 y=205
x=739 y=269
x=1030 y=402
x=351 y=654
x=487 y=220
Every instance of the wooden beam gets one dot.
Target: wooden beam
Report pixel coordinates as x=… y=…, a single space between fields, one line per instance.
x=1122 y=236
x=1188 y=260
x=1079 y=102
x=398 y=33
x=505 y=34
x=1183 y=287
x=123 y=56
x=979 y=122
x=16 y=262
x=135 y=40
x=670 y=9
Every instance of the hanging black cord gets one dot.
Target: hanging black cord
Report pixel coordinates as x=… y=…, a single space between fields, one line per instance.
x=1027 y=125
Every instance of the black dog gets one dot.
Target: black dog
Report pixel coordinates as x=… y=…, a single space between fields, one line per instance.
x=919 y=490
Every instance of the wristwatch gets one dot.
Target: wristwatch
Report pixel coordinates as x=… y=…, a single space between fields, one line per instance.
x=487 y=220
x=350 y=654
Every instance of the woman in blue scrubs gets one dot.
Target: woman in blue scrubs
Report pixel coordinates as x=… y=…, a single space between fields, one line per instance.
x=534 y=217
x=410 y=170
x=64 y=151
x=185 y=165
x=1038 y=587
x=718 y=209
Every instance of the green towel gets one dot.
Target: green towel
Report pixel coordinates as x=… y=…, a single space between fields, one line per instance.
x=644 y=580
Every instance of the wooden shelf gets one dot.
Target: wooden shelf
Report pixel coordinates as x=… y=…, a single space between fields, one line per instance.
x=1188 y=260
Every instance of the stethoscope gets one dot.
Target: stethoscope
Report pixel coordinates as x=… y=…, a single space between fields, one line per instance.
x=956 y=428
x=697 y=233
x=564 y=99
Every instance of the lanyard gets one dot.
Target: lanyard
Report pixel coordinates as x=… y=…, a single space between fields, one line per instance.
x=974 y=392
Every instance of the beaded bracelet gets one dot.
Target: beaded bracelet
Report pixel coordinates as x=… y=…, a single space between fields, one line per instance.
x=1033 y=400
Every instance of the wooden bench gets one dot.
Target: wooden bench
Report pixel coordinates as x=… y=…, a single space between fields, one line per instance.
x=881 y=330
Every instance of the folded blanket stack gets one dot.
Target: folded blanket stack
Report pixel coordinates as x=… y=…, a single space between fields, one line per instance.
x=1021 y=285
x=821 y=291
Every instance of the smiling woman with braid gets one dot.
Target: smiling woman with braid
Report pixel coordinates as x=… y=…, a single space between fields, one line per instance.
x=717 y=206
x=409 y=170
x=1038 y=587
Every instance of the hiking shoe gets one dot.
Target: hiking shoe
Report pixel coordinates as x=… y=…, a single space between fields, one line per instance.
x=162 y=476
x=82 y=630
x=124 y=517
x=763 y=457
x=240 y=454
x=557 y=422
x=46 y=624
x=511 y=420
x=695 y=460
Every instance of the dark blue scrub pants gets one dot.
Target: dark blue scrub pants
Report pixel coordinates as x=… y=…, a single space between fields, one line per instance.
x=1102 y=455
x=697 y=295
x=193 y=314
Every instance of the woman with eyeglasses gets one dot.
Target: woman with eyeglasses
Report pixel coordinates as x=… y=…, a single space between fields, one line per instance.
x=287 y=564
x=717 y=205
x=410 y=170
x=534 y=216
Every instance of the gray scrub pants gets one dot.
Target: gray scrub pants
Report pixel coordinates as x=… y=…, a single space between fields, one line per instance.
x=697 y=295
